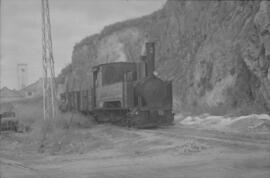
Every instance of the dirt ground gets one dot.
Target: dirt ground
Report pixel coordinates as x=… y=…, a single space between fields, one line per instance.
x=80 y=148
x=109 y=151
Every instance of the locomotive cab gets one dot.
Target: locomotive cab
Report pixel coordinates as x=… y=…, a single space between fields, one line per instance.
x=108 y=84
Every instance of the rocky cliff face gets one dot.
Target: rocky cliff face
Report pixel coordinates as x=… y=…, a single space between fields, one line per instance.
x=216 y=52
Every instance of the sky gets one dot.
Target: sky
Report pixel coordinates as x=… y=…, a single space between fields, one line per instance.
x=71 y=21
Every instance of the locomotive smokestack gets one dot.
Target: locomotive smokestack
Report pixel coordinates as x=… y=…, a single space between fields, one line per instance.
x=150 y=58
x=141 y=68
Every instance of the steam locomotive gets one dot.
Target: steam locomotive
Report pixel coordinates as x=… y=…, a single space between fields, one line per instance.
x=125 y=93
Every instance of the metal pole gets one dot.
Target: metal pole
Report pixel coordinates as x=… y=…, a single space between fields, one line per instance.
x=48 y=64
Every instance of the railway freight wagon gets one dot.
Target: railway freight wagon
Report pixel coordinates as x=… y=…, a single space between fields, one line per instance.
x=125 y=93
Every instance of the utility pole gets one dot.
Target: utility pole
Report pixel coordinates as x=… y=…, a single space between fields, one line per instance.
x=48 y=64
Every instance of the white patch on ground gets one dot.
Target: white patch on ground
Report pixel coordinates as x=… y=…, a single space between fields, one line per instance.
x=258 y=122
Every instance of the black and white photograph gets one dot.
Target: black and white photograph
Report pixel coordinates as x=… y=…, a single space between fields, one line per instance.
x=134 y=89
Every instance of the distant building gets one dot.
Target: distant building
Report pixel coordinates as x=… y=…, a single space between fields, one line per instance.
x=33 y=90
x=7 y=95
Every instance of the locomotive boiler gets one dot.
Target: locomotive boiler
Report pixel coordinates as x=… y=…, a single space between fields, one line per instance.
x=125 y=93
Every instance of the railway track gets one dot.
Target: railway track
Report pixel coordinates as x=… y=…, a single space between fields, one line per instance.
x=213 y=136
